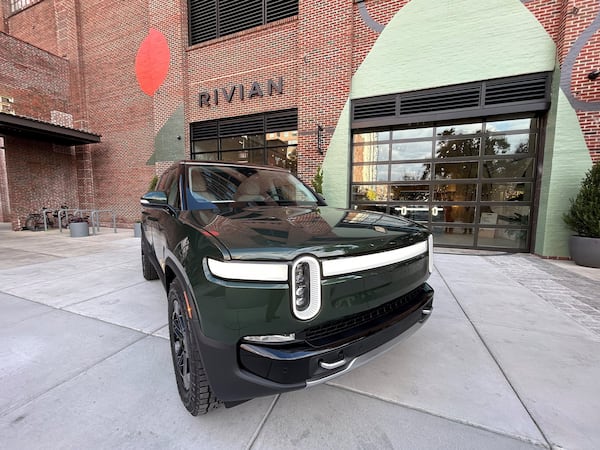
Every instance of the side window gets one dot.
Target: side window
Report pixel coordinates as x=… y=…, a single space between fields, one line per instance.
x=165 y=182
x=168 y=183
x=173 y=192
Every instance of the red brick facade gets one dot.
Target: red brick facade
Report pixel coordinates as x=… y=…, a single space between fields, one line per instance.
x=78 y=58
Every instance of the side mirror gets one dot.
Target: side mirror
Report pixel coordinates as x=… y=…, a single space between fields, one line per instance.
x=154 y=198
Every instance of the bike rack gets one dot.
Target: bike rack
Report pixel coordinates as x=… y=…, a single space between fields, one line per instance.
x=94 y=215
x=95 y=218
x=66 y=214
x=45 y=218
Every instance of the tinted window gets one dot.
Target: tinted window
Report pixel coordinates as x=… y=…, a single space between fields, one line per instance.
x=230 y=184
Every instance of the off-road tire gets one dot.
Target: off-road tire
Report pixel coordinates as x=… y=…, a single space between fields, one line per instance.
x=148 y=269
x=194 y=390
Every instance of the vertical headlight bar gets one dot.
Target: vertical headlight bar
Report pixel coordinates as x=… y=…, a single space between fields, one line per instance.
x=306 y=288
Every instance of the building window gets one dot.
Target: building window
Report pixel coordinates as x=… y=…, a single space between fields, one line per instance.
x=270 y=138
x=210 y=19
x=18 y=5
x=471 y=182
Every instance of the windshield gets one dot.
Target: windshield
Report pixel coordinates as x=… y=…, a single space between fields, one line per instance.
x=213 y=185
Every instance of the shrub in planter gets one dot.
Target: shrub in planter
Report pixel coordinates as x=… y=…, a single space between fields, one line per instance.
x=583 y=217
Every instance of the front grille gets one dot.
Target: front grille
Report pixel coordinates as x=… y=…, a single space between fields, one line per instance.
x=363 y=323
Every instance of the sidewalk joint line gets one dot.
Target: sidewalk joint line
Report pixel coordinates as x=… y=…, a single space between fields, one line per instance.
x=489 y=350
x=261 y=425
x=439 y=416
x=30 y=400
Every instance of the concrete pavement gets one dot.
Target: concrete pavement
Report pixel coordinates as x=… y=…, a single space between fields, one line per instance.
x=509 y=359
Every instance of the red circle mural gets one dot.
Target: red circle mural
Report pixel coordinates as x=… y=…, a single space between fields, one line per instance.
x=152 y=62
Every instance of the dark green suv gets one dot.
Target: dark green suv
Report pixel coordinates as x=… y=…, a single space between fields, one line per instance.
x=269 y=289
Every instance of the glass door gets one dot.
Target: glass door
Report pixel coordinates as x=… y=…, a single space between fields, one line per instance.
x=471 y=183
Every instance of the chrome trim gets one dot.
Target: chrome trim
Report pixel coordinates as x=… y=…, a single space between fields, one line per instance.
x=331 y=366
x=349 y=264
x=274 y=353
x=363 y=359
x=248 y=271
x=271 y=338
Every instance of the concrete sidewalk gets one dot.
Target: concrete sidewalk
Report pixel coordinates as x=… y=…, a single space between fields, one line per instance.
x=509 y=359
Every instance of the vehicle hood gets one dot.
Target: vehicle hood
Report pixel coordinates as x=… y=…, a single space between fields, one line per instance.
x=284 y=232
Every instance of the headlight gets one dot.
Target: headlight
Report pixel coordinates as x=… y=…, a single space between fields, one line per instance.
x=306 y=288
x=248 y=271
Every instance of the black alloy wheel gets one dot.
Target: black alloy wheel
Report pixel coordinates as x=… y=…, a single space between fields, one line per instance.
x=180 y=345
x=194 y=390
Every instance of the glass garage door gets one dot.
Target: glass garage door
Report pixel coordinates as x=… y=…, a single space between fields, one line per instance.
x=471 y=183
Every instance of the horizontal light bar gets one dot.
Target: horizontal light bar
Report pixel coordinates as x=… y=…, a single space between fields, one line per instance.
x=430 y=245
x=351 y=264
x=248 y=271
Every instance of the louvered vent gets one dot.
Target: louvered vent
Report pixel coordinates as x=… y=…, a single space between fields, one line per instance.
x=515 y=91
x=236 y=16
x=203 y=130
x=485 y=98
x=202 y=20
x=280 y=9
x=209 y=19
x=440 y=101
x=282 y=121
x=241 y=125
x=382 y=108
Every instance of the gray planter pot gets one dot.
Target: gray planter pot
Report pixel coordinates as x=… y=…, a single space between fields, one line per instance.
x=79 y=229
x=137 y=229
x=585 y=251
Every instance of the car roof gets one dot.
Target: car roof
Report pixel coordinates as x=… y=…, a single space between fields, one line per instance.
x=196 y=162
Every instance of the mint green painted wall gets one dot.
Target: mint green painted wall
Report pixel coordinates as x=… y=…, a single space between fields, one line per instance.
x=566 y=159
x=432 y=43
x=166 y=145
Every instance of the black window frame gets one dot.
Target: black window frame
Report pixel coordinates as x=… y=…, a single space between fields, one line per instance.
x=253 y=124
x=535 y=131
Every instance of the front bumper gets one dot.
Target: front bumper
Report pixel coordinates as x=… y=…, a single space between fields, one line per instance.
x=247 y=370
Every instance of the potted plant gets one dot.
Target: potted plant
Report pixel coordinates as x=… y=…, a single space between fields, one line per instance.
x=583 y=218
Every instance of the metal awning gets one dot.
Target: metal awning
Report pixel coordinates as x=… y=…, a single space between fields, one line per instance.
x=25 y=127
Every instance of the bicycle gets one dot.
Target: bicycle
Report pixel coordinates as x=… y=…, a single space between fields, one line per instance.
x=35 y=221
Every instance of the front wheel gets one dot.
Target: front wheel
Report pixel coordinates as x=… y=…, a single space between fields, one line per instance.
x=194 y=390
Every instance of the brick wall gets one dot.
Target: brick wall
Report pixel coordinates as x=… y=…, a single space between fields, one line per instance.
x=565 y=21
x=325 y=72
x=35 y=25
x=381 y=11
x=39 y=174
x=37 y=80
x=116 y=106
x=315 y=53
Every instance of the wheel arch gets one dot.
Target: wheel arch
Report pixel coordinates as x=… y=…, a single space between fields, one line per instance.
x=173 y=270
